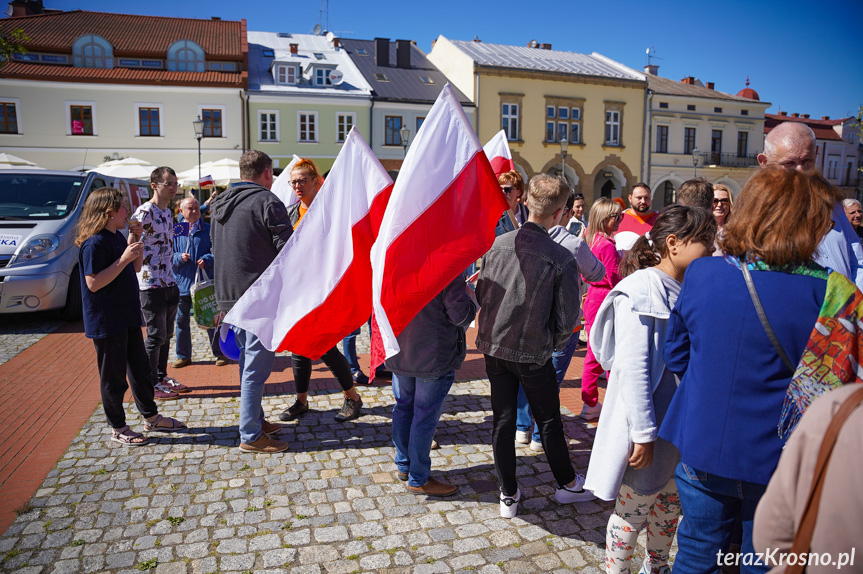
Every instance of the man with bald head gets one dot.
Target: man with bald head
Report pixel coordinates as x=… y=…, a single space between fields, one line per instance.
x=791 y=145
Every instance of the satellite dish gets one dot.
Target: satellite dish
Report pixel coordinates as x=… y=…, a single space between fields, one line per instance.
x=336 y=77
x=317 y=29
x=532 y=44
x=647 y=51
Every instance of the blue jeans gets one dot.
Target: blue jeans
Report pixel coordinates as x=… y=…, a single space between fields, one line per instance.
x=256 y=364
x=184 y=334
x=560 y=360
x=711 y=506
x=349 y=344
x=419 y=403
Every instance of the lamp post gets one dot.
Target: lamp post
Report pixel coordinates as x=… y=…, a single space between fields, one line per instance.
x=198 y=125
x=405 y=134
x=694 y=161
x=564 y=144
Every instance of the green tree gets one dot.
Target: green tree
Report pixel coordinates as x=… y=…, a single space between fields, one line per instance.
x=12 y=44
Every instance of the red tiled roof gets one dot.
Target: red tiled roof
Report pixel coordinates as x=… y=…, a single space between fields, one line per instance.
x=823 y=128
x=130 y=35
x=54 y=73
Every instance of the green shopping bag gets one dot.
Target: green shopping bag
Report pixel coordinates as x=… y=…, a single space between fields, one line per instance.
x=204 y=304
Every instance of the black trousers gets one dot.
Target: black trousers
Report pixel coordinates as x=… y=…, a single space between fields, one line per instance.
x=159 y=307
x=338 y=365
x=543 y=396
x=117 y=356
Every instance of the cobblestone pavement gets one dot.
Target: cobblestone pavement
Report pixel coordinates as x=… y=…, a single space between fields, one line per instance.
x=193 y=503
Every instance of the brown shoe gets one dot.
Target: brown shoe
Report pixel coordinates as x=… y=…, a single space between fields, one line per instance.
x=222 y=361
x=265 y=444
x=180 y=363
x=434 y=488
x=269 y=428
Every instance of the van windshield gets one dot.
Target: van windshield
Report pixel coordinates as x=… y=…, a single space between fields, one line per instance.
x=37 y=196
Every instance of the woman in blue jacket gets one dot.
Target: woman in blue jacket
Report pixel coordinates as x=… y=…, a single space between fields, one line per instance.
x=725 y=415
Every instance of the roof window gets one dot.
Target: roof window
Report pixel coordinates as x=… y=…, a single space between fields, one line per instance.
x=381 y=77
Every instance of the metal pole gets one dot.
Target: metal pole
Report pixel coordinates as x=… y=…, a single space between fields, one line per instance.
x=199 y=162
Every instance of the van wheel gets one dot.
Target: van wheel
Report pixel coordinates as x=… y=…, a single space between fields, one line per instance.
x=72 y=310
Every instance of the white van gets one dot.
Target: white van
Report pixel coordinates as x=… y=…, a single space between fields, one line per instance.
x=39 y=211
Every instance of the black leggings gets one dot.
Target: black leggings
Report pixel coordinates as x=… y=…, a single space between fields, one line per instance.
x=333 y=359
x=119 y=356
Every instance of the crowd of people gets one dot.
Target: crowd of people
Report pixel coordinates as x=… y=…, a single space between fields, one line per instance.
x=700 y=353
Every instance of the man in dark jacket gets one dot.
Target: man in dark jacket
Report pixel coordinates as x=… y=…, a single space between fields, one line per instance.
x=528 y=289
x=249 y=227
x=432 y=348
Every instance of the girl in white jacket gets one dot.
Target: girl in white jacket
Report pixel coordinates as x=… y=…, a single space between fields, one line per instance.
x=629 y=462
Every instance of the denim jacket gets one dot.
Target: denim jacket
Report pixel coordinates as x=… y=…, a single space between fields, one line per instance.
x=528 y=292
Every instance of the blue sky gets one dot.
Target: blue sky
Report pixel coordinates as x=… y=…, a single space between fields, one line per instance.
x=804 y=57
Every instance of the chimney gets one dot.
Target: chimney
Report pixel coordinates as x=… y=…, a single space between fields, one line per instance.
x=403 y=54
x=710 y=85
x=651 y=69
x=825 y=117
x=795 y=115
x=215 y=17
x=382 y=52
x=295 y=48
x=783 y=114
x=688 y=80
x=336 y=43
x=545 y=46
x=25 y=8
x=804 y=116
x=476 y=39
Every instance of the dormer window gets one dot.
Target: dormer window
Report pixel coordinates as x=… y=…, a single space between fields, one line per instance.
x=186 y=56
x=322 y=77
x=268 y=53
x=286 y=74
x=91 y=51
x=319 y=56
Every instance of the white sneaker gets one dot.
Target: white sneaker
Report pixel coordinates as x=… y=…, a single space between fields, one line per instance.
x=535 y=446
x=522 y=436
x=509 y=504
x=593 y=412
x=574 y=493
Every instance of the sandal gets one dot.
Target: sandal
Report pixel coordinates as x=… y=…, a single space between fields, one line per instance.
x=128 y=437
x=164 y=424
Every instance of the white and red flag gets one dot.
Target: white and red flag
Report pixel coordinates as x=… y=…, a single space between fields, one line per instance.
x=282 y=185
x=440 y=218
x=498 y=153
x=319 y=287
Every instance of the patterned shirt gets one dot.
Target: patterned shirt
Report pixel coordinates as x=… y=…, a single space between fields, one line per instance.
x=158 y=239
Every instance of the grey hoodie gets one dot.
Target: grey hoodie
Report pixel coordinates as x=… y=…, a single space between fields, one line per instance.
x=249 y=227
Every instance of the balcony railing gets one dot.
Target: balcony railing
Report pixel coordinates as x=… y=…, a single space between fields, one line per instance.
x=727 y=160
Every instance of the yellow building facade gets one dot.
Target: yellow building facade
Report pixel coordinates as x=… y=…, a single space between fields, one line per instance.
x=540 y=96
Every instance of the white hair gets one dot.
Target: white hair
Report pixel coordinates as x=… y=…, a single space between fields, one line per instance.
x=792 y=134
x=187 y=199
x=846 y=203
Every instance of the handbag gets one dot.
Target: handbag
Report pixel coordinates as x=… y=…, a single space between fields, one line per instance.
x=204 y=304
x=803 y=537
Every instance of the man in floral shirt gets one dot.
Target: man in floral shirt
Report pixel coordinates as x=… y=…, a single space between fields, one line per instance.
x=159 y=293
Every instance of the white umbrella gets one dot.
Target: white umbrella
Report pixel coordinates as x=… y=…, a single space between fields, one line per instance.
x=130 y=167
x=9 y=161
x=224 y=172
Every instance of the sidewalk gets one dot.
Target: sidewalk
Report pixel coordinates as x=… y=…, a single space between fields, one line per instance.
x=193 y=503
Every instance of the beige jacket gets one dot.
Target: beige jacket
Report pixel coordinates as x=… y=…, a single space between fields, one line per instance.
x=840 y=516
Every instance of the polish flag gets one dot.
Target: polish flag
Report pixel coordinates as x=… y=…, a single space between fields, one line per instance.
x=498 y=153
x=282 y=185
x=440 y=218
x=319 y=287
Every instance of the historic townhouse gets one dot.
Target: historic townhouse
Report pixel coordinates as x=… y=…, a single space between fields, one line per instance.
x=556 y=107
x=94 y=85
x=305 y=95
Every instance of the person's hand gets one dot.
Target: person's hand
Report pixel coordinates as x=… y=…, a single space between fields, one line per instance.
x=135 y=229
x=642 y=455
x=200 y=263
x=132 y=252
x=185 y=257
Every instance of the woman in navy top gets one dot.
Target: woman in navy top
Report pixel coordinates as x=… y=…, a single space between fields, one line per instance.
x=725 y=415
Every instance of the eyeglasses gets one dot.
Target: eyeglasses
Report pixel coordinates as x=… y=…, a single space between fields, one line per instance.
x=167 y=184
x=296 y=182
x=717 y=201
x=616 y=217
x=506 y=189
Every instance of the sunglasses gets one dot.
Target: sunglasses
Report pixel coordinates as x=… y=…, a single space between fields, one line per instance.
x=616 y=217
x=507 y=189
x=717 y=201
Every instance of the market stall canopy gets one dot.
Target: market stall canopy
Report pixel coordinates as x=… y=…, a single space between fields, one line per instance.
x=130 y=167
x=224 y=172
x=9 y=161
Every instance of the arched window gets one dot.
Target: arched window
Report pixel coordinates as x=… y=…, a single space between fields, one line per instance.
x=186 y=56
x=91 y=51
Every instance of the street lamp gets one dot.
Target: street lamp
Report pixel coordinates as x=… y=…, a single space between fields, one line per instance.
x=406 y=134
x=694 y=161
x=564 y=144
x=198 y=125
